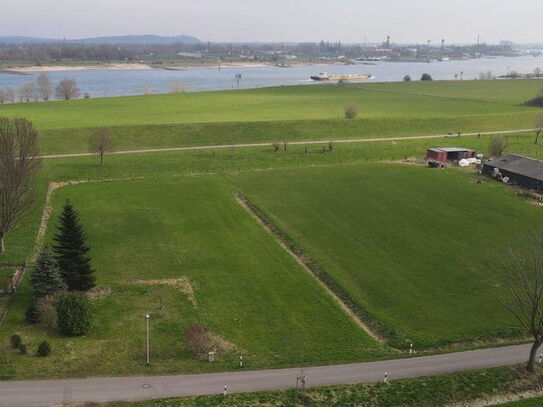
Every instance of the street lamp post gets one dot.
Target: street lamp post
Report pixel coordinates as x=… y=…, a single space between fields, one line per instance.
x=147 y=322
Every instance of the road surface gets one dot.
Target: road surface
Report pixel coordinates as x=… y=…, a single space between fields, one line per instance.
x=292 y=143
x=51 y=392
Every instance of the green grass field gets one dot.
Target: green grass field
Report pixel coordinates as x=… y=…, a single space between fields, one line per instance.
x=145 y=236
x=283 y=114
x=408 y=244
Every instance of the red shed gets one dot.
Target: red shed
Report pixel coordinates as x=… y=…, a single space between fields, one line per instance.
x=449 y=153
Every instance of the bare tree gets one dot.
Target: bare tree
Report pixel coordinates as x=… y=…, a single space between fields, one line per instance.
x=178 y=87
x=3 y=96
x=45 y=86
x=10 y=95
x=27 y=92
x=101 y=143
x=19 y=162
x=521 y=273
x=538 y=127
x=67 y=89
x=497 y=146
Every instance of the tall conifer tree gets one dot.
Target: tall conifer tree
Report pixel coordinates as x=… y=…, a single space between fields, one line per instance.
x=71 y=251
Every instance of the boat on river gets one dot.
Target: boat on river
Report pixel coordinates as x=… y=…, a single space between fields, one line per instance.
x=350 y=77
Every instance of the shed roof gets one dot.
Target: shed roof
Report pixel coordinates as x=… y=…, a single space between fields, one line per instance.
x=518 y=164
x=450 y=149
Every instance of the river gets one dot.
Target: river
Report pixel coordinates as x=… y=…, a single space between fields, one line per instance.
x=103 y=82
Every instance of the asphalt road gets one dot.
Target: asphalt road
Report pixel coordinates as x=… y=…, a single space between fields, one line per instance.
x=52 y=392
x=292 y=143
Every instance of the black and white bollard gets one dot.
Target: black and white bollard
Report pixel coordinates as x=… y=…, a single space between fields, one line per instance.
x=411 y=348
x=540 y=359
x=241 y=361
x=224 y=393
x=386 y=377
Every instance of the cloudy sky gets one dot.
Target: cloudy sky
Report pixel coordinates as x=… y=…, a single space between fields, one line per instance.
x=279 y=20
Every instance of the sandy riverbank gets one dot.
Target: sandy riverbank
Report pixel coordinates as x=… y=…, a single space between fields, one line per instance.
x=121 y=66
x=54 y=68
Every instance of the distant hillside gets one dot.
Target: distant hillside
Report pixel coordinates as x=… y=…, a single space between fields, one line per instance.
x=122 y=39
x=139 y=39
x=17 y=40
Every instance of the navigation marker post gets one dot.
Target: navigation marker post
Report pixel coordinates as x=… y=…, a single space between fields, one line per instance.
x=147 y=316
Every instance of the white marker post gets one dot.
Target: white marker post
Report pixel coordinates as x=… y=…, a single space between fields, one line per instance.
x=241 y=361
x=148 y=350
x=540 y=359
x=386 y=377
x=411 y=348
x=224 y=393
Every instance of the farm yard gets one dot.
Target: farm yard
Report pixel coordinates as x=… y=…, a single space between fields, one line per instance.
x=409 y=246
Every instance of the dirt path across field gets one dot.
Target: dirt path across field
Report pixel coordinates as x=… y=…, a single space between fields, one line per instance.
x=291 y=143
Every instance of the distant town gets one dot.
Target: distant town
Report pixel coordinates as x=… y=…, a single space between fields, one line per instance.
x=186 y=50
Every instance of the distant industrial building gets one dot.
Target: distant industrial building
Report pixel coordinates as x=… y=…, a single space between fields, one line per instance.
x=520 y=170
x=449 y=154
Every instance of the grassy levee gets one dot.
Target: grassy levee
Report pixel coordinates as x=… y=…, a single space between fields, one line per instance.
x=437 y=391
x=410 y=246
x=132 y=137
x=283 y=114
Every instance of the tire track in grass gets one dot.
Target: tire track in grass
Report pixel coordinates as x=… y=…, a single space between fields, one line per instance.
x=302 y=260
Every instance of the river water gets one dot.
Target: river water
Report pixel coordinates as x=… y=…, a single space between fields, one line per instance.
x=100 y=83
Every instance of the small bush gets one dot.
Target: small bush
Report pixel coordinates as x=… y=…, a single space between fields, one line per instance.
x=48 y=313
x=22 y=349
x=535 y=102
x=15 y=341
x=44 y=349
x=407 y=78
x=32 y=314
x=351 y=111
x=87 y=95
x=330 y=146
x=426 y=77
x=275 y=147
x=74 y=314
x=199 y=340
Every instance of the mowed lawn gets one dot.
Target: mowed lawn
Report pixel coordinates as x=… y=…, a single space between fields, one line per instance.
x=283 y=114
x=412 y=246
x=146 y=236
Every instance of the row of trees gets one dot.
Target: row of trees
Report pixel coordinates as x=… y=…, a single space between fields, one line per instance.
x=42 y=89
x=424 y=77
x=61 y=277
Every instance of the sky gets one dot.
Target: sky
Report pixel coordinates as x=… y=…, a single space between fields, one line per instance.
x=349 y=21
